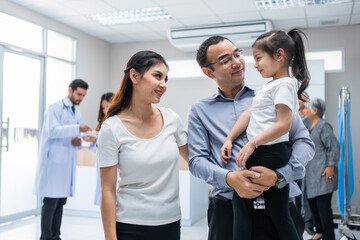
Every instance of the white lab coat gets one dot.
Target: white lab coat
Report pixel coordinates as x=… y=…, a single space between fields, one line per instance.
x=55 y=177
x=97 y=199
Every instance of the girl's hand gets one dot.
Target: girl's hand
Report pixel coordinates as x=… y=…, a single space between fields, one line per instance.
x=225 y=151
x=330 y=175
x=244 y=153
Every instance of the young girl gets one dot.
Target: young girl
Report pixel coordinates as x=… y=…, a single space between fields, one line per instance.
x=268 y=121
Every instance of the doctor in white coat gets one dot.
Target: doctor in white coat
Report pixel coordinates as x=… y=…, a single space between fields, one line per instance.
x=60 y=137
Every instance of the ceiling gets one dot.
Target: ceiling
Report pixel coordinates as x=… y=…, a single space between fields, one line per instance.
x=187 y=13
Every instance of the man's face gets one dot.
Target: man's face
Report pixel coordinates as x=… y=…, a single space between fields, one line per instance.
x=77 y=95
x=227 y=75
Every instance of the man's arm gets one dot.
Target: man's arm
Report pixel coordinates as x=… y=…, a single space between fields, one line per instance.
x=56 y=127
x=199 y=153
x=303 y=150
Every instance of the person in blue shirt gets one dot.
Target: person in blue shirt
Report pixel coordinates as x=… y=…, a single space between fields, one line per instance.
x=210 y=121
x=55 y=177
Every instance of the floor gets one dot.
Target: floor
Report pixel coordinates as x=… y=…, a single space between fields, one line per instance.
x=90 y=228
x=82 y=228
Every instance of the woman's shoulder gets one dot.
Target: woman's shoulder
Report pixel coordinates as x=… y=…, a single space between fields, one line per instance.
x=111 y=122
x=170 y=117
x=325 y=124
x=168 y=112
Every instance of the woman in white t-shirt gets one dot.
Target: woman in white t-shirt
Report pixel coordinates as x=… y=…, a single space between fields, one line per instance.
x=268 y=121
x=142 y=143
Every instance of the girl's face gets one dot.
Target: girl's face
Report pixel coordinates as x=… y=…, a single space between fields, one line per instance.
x=152 y=85
x=267 y=65
x=105 y=106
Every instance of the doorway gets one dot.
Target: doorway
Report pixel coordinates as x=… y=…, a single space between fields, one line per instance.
x=20 y=101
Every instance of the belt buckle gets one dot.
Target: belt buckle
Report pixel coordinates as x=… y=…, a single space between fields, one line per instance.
x=259 y=203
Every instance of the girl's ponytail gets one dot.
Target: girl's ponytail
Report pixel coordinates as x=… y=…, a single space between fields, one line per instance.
x=298 y=62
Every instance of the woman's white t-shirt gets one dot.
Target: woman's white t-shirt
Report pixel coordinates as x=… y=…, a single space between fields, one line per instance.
x=148 y=187
x=263 y=112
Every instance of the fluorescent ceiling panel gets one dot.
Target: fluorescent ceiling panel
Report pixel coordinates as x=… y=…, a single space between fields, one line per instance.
x=275 y=4
x=130 y=16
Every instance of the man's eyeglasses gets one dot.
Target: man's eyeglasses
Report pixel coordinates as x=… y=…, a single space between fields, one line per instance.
x=228 y=60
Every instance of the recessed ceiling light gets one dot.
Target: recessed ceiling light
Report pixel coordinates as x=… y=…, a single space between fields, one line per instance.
x=275 y=4
x=130 y=16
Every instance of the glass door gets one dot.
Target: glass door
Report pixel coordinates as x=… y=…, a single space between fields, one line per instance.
x=19 y=113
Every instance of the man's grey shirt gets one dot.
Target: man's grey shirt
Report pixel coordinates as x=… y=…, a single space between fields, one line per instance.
x=211 y=120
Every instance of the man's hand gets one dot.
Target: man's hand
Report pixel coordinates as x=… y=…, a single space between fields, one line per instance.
x=267 y=176
x=76 y=141
x=245 y=188
x=84 y=128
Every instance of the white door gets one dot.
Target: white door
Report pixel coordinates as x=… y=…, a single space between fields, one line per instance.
x=20 y=76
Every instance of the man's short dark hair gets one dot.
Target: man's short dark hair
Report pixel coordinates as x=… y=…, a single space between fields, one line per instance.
x=201 y=56
x=78 y=83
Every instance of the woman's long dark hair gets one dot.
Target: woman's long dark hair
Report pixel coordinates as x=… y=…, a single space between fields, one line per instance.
x=294 y=49
x=101 y=116
x=140 y=62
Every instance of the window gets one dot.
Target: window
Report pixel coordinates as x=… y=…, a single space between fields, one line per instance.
x=60 y=46
x=333 y=59
x=184 y=69
x=58 y=51
x=58 y=76
x=20 y=33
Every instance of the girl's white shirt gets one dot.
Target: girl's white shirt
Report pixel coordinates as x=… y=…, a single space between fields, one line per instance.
x=263 y=112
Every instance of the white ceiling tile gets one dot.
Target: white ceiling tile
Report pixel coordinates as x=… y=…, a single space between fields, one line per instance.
x=88 y=6
x=328 y=10
x=24 y=2
x=163 y=27
x=176 y=2
x=149 y=36
x=118 y=38
x=282 y=14
x=78 y=21
x=195 y=21
x=166 y=24
x=240 y=16
x=130 y=28
x=51 y=9
x=98 y=31
x=355 y=19
x=126 y=5
x=231 y=6
x=188 y=10
x=356 y=9
x=289 y=24
x=328 y=21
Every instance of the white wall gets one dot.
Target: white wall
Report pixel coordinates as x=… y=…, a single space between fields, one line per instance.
x=93 y=58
